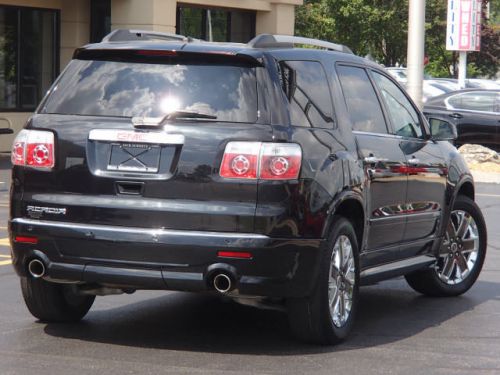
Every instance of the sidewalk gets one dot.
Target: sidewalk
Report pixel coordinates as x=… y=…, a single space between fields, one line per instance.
x=488 y=177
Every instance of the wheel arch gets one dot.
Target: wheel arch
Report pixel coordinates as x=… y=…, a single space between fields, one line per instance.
x=351 y=207
x=466 y=188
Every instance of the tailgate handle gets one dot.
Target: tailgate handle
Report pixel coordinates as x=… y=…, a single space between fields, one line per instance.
x=129 y=188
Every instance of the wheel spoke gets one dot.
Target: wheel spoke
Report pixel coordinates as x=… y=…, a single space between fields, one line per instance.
x=450 y=230
x=463 y=225
x=349 y=277
x=332 y=294
x=347 y=258
x=462 y=263
x=448 y=266
x=341 y=307
x=469 y=244
x=341 y=253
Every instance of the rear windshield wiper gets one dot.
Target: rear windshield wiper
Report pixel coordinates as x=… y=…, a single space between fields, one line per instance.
x=146 y=122
x=175 y=115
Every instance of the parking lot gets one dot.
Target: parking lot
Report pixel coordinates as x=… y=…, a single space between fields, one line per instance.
x=397 y=331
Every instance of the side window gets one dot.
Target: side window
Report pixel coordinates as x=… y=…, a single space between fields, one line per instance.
x=306 y=87
x=474 y=101
x=404 y=117
x=361 y=100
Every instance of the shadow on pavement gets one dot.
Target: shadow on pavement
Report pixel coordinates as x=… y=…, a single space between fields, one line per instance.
x=182 y=321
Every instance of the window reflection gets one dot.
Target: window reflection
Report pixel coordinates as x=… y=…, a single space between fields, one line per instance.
x=404 y=117
x=106 y=88
x=306 y=87
x=475 y=101
x=361 y=100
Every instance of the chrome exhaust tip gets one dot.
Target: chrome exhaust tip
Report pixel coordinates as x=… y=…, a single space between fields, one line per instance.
x=36 y=268
x=222 y=283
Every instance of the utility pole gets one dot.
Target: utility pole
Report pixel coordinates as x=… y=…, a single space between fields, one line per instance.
x=415 y=54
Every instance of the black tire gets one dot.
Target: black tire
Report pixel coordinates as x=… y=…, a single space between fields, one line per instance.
x=310 y=317
x=54 y=303
x=428 y=281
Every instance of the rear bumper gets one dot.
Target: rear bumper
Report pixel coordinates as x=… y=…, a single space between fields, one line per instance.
x=142 y=258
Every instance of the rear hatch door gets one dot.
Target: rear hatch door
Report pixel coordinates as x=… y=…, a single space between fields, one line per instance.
x=121 y=160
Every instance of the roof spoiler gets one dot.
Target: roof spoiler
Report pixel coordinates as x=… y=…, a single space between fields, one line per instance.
x=288 y=41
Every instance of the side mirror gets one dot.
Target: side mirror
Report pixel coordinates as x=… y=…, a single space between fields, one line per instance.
x=442 y=130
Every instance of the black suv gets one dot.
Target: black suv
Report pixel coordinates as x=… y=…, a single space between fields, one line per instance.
x=277 y=176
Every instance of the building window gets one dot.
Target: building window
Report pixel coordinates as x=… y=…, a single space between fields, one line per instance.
x=29 y=56
x=100 y=19
x=218 y=25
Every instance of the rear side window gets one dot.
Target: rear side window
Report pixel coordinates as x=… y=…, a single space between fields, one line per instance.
x=361 y=100
x=475 y=101
x=306 y=87
x=125 y=89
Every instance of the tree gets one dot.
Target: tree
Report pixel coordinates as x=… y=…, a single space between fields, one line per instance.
x=380 y=28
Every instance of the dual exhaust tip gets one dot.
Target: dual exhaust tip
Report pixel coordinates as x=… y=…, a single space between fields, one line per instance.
x=222 y=282
x=36 y=268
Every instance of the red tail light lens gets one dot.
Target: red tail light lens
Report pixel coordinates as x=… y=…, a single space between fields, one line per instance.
x=267 y=161
x=280 y=161
x=240 y=160
x=34 y=148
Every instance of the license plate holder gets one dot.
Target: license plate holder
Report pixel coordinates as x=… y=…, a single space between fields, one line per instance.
x=134 y=157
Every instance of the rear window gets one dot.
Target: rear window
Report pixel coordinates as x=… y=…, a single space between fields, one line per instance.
x=124 y=89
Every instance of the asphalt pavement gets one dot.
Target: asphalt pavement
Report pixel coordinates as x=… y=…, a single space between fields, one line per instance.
x=396 y=332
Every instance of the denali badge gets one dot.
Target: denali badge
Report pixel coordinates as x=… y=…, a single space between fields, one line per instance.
x=37 y=212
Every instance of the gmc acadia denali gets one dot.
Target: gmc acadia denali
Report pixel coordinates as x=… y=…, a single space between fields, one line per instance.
x=274 y=175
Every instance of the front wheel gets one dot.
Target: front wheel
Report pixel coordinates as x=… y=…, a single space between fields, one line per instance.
x=54 y=303
x=461 y=257
x=327 y=315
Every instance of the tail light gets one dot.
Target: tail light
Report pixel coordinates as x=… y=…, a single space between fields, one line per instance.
x=266 y=161
x=33 y=148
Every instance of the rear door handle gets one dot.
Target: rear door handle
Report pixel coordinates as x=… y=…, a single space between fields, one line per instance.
x=455 y=115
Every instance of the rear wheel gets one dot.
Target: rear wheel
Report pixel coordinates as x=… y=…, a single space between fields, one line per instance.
x=55 y=303
x=327 y=315
x=461 y=256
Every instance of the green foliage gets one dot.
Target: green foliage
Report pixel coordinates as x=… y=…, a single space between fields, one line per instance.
x=380 y=27
x=314 y=20
x=494 y=12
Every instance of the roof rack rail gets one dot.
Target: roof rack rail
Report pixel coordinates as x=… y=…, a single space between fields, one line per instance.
x=126 y=35
x=288 y=41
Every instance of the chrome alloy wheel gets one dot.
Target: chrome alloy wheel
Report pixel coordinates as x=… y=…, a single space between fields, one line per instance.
x=341 y=279
x=459 y=250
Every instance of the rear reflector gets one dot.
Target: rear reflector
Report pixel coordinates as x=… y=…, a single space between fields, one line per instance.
x=234 y=254
x=34 y=148
x=25 y=239
x=258 y=160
